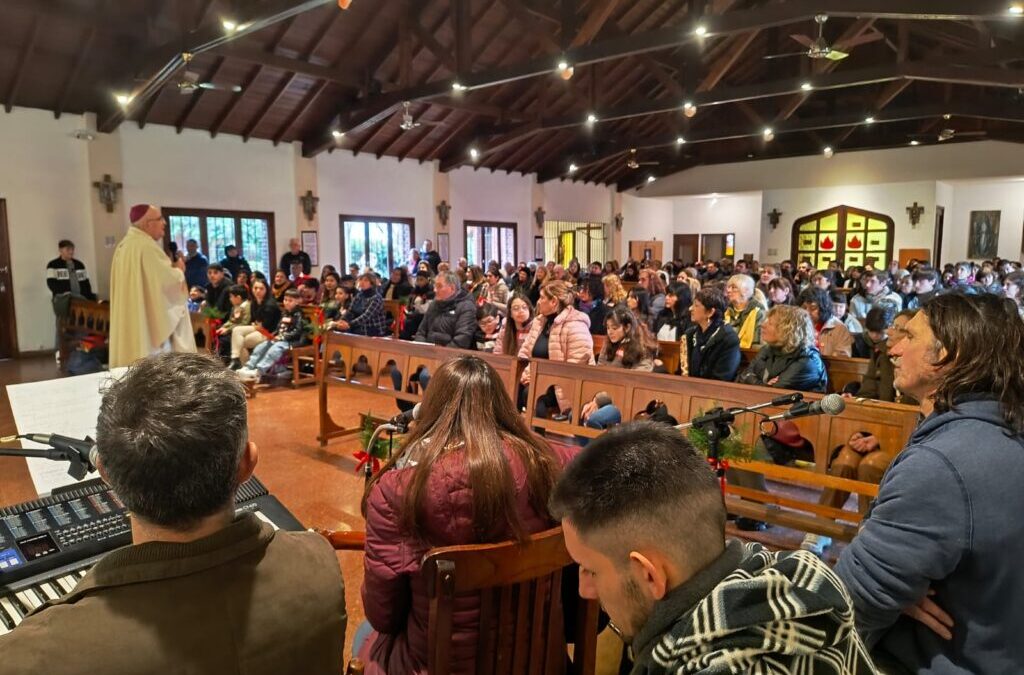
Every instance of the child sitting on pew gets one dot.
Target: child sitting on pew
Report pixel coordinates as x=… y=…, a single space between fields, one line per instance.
x=238 y=295
x=291 y=332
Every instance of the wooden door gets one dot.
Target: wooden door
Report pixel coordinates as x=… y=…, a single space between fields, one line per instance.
x=685 y=247
x=940 y=221
x=8 y=328
x=639 y=250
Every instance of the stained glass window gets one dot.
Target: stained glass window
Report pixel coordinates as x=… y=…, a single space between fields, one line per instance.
x=845 y=234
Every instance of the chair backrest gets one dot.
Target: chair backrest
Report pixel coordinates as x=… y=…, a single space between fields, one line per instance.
x=522 y=628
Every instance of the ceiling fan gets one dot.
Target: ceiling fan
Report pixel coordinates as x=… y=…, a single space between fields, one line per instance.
x=190 y=84
x=948 y=134
x=819 y=48
x=409 y=123
x=633 y=163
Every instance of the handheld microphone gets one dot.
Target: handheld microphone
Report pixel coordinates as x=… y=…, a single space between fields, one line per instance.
x=832 y=404
x=403 y=419
x=84 y=450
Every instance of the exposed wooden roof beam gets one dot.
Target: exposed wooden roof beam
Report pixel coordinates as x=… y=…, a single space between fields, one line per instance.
x=76 y=71
x=600 y=13
x=23 y=59
x=300 y=109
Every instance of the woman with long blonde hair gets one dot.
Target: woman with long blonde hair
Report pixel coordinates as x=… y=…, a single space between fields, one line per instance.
x=614 y=293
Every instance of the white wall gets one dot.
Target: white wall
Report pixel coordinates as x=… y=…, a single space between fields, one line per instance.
x=496 y=197
x=890 y=199
x=44 y=181
x=645 y=219
x=565 y=200
x=193 y=170
x=944 y=161
x=738 y=213
x=365 y=186
x=1004 y=196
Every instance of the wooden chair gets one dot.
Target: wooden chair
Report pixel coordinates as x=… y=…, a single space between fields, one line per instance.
x=396 y=309
x=522 y=629
x=308 y=354
x=83 y=317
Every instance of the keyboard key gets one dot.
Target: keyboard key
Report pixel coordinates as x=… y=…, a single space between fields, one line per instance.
x=49 y=592
x=28 y=599
x=12 y=610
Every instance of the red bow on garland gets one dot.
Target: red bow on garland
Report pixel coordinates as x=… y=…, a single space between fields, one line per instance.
x=719 y=466
x=365 y=457
x=214 y=325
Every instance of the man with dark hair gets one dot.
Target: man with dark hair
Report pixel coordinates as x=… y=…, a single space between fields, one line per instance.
x=217 y=289
x=876 y=290
x=432 y=257
x=591 y=303
x=195 y=264
x=643 y=516
x=926 y=286
x=233 y=262
x=200 y=589
x=935 y=571
x=66 y=275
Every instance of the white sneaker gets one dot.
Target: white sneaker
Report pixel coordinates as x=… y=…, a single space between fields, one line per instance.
x=248 y=374
x=816 y=544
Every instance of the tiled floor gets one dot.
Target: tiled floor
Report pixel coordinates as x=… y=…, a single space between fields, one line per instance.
x=318 y=485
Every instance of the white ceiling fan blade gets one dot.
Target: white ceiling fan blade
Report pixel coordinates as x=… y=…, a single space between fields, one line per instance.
x=783 y=56
x=836 y=55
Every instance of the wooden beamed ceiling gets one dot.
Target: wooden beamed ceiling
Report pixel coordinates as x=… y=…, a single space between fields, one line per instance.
x=309 y=71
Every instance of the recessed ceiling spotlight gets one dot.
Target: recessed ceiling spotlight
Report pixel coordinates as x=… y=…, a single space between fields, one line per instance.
x=869 y=120
x=680 y=140
x=828 y=152
x=474 y=154
x=123 y=99
x=689 y=109
x=1016 y=9
x=228 y=25
x=591 y=118
x=947 y=116
x=750 y=155
x=915 y=142
x=700 y=31
x=651 y=179
x=456 y=86
x=573 y=168
x=565 y=69
x=338 y=135
x=769 y=134
x=806 y=86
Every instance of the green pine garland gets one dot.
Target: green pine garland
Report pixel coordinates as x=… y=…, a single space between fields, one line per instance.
x=731 y=448
x=380 y=448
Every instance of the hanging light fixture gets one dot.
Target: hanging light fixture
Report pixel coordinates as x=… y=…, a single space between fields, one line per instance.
x=769 y=134
x=689 y=109
x=565 y=69
x=344 y=4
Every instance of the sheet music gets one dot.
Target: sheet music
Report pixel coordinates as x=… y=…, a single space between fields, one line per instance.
x=68 y=406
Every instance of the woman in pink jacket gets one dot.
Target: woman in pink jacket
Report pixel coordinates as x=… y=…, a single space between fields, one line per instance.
x=471 y=472
x=560 y=332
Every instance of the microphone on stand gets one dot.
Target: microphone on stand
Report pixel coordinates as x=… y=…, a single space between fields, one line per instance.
x=82 y=454
x=403 y=419
x=832 y=404
x=399 y=423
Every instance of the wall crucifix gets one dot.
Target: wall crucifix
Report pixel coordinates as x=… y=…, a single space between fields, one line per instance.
x=108 y=191
x=444 y=211
x=915 y=211
x=774 y=216
x=309 y=202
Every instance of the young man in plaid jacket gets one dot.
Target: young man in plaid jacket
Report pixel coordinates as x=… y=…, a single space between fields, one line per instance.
x=644 y=517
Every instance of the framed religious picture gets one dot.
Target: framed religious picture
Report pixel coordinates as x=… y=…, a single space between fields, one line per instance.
x=538 y=248
x=309 y=245
x=442 y=246
x=983 y=236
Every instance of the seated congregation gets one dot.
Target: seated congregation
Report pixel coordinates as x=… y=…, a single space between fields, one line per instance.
x=926 y=585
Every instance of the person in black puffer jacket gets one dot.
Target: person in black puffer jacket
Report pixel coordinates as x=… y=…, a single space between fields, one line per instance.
x=451 y=318
x=789 y=359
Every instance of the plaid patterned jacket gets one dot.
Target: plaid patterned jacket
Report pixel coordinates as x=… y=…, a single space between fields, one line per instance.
x=366 y=315
x=784 y=613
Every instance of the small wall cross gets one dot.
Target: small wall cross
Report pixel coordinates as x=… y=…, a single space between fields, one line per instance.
x=108 y=191
x=309 y=203
x=444 y=210
x=915 y=212
x=774 y=216
x=538 y=216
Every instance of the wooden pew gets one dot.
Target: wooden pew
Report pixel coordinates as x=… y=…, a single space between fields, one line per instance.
x=365 y=363
x=84 y=316
x=841 y=370
x=687 y=398
x=396 y=309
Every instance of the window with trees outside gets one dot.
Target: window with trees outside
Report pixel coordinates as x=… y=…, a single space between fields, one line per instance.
x=380 y=243
x=490 y=241
x=251 y=231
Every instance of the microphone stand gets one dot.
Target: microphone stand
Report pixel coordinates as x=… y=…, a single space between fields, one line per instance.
x=77 y=469
x=391 y=428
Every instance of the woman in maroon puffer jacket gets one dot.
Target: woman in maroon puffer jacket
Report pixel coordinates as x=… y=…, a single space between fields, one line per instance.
x=470 y=473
